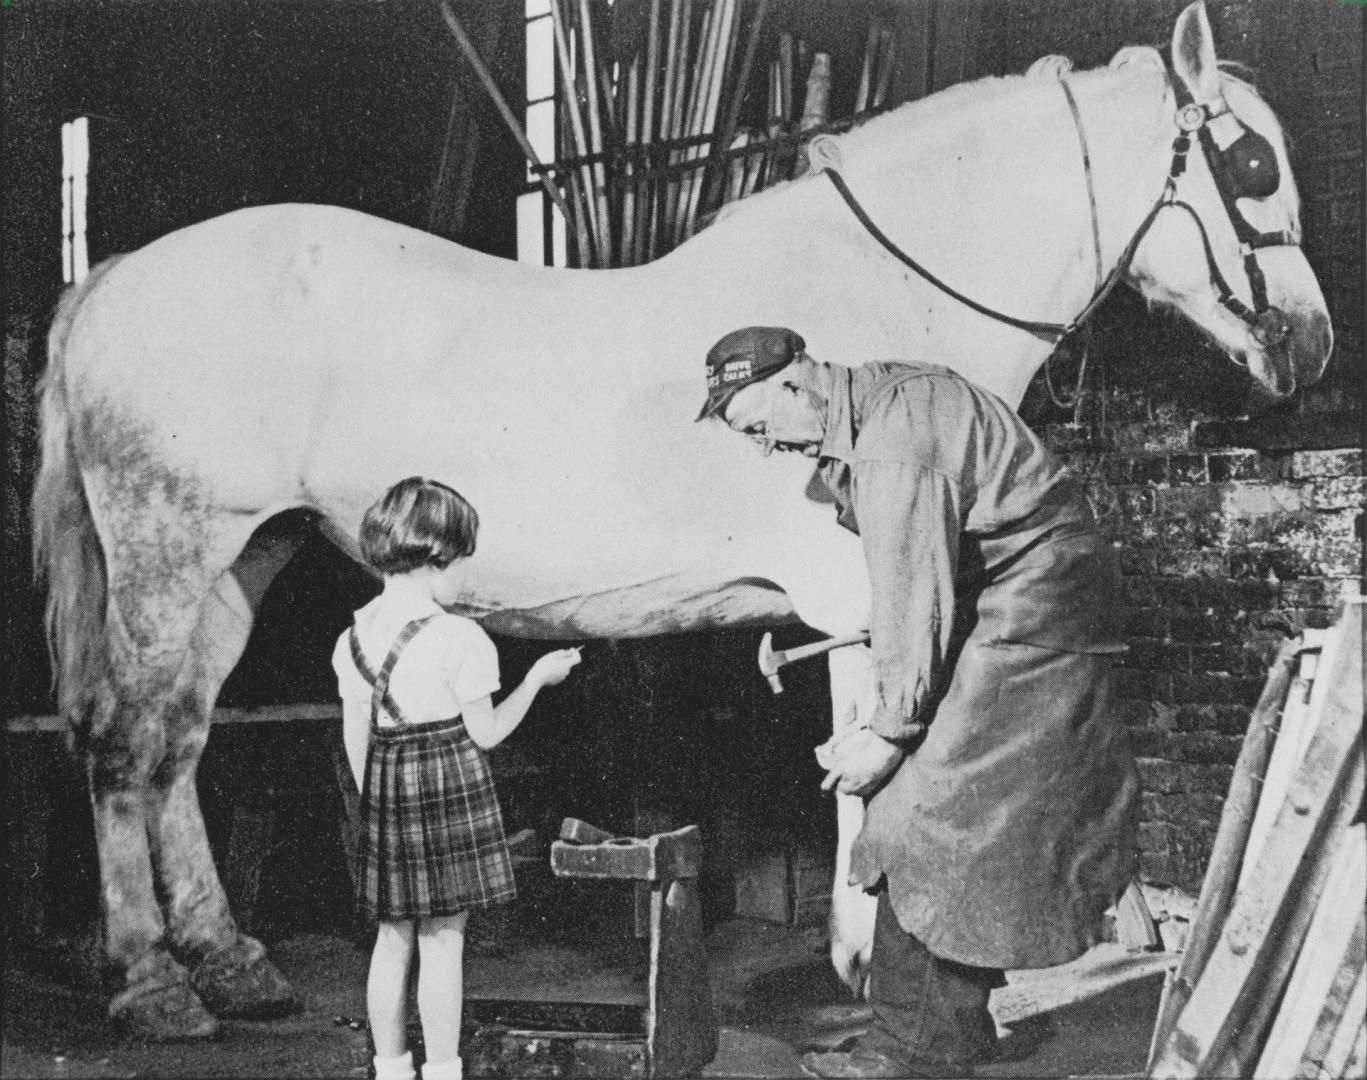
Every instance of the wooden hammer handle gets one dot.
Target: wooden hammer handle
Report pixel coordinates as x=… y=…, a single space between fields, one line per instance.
x=801 y=652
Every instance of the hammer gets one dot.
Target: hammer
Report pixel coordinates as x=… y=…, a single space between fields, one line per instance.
x=771 y=659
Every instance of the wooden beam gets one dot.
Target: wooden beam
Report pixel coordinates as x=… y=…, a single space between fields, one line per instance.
x=262 y=714
x=681 y=1029
x=662 y=857
x=1223 y=1025
x=1231 y=838
x=1329 y=966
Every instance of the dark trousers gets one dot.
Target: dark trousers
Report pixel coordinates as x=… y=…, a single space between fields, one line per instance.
x=928 y=1013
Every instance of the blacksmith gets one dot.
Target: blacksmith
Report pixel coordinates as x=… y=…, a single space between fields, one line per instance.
x=1000 y=789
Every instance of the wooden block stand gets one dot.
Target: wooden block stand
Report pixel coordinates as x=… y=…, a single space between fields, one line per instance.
x=672 y=1033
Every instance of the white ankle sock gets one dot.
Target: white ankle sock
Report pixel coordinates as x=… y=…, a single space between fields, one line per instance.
x=395 y=1068
x=445 y=1070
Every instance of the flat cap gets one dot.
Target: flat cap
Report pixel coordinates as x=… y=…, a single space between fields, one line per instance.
x=746 y=356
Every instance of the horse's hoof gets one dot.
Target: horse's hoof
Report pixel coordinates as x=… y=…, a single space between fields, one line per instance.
x=159 y=1005
x=237 y=980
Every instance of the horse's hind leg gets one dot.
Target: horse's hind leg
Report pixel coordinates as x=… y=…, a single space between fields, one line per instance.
x=176 y=624
x=229 y=969
x=124 y=747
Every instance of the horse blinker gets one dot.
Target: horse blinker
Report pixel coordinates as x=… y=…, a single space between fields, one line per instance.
x=1249 y=167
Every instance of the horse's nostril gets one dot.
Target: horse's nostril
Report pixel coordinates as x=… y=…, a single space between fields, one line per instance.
x=1271 y=328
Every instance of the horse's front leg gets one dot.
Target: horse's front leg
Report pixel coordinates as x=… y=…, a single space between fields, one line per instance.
x=852 y=909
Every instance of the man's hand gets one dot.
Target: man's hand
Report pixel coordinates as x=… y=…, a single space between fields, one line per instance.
x=857 y=761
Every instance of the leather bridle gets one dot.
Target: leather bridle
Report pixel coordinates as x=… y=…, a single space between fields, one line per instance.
x=1247 y=168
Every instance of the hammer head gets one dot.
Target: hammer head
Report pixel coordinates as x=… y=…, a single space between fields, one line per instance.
x=770 y=662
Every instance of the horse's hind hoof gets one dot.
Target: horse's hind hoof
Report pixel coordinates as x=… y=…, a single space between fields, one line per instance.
x=159 y=1005
x=238 y=981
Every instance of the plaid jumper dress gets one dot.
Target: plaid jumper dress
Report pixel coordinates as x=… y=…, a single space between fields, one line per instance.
x=432 y=841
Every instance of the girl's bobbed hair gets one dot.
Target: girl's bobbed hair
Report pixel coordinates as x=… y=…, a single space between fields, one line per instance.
x=418 y=522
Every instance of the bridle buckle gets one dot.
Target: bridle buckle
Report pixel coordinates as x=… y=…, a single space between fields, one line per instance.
x=1191 y=117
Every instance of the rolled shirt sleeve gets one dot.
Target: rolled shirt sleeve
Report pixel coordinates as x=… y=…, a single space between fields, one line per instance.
x=909 y=523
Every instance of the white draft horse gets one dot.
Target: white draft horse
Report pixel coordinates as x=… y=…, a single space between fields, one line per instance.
x=301 y=358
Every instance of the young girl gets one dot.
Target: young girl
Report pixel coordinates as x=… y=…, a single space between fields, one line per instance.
x=417 y=718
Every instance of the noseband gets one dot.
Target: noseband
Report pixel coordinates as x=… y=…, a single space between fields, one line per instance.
x=1246 y=168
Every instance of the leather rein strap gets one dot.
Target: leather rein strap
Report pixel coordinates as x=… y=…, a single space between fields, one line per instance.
x=1054 y=330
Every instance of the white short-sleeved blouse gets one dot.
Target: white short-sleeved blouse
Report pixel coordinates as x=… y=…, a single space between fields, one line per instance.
x=451 y=660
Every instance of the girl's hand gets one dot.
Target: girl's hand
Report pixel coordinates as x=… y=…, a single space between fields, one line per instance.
x=553 y=668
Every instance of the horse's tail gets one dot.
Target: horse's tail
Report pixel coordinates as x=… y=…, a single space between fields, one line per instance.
x=66 y=550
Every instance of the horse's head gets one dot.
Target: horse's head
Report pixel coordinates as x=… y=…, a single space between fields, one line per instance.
x=1225 y=250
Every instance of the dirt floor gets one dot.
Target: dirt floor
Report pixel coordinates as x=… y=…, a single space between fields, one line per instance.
x=773 y=990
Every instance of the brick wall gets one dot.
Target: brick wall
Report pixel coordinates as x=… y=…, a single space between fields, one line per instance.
x=1226 y=553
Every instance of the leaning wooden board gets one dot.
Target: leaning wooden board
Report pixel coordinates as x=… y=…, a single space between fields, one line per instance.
x=1223 y=1027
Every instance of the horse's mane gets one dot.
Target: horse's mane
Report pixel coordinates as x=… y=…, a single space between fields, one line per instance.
x=1047 y=69
x=949 y=104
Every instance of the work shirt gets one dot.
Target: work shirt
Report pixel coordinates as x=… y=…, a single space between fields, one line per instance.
x=1007 y=830
x=964 y=517
x=452 y=660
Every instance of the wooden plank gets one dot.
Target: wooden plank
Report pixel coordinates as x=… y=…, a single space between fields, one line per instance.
x=681 y=1027
x=263 y=714
x=1293 y=736
x=1236 y=821
x=573 y=1018
x=1134 y=923
x=1347 y=1040
x=662 y=857
x=625 y=858
x=1286 y=937
x=1329 y=964
x=1268 y=920
x=1356 y=1065
x=574 y=831
x=1339 y=669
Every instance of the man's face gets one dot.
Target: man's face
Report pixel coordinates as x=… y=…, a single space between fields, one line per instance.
x=778 y=414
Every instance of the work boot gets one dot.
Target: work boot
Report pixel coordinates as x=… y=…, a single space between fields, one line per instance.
x=864 y=1064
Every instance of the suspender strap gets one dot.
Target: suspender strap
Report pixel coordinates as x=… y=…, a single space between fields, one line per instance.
x=380 y=696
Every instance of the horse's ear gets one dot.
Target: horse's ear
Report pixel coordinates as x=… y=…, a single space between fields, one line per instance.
x=824 y=153
x=1049 y=67
x=1193 y=53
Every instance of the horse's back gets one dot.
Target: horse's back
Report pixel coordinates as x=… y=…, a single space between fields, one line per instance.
x=241 y=330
